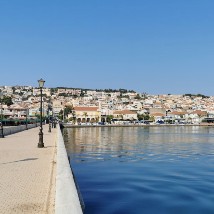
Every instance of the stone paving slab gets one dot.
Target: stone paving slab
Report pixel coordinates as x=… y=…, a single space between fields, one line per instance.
x=27 y=173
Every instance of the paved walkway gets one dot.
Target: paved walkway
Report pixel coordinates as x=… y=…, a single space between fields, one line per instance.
x=27 y=173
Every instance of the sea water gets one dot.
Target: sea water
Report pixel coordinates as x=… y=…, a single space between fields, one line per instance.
x=143 y=170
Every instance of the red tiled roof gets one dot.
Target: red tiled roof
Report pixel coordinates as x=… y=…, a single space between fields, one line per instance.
x=157 y=114
x=177 y=113
x=124 y=112
x=199 y=112
x=79 y=108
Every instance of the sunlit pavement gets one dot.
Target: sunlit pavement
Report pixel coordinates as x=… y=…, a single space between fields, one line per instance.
x=27 y=173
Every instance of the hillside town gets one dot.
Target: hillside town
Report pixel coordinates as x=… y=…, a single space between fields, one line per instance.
x=85 y=106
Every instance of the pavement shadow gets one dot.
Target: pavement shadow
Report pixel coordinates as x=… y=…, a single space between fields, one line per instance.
x=26 y=159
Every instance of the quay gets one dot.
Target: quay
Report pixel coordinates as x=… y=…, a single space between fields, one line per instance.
x=32 y=178
x=64 y=125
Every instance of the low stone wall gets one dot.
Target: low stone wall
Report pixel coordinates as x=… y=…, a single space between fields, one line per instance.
x=67 y=199
x=15 y=129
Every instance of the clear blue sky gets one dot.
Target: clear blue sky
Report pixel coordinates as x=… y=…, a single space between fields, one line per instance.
x=153 y=46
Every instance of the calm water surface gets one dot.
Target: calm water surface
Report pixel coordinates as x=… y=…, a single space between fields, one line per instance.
x=143 y=169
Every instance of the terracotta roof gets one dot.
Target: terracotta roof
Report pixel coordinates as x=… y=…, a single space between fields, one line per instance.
x=199 y=112
x=124 y=112
x=177 y=113
x=79 y=108
x=158 y=114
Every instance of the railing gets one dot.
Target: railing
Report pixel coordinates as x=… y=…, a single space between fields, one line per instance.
x=15 y=129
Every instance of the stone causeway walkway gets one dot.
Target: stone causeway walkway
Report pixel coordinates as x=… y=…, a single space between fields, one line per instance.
x=27 y=173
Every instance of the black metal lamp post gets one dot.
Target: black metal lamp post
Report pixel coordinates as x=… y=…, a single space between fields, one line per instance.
x=49 y=130
x=26 y=119
x=41 y=143
x=1 y=124
x=49 y=108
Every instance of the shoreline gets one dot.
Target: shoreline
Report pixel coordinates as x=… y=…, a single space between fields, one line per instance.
x=143 y=125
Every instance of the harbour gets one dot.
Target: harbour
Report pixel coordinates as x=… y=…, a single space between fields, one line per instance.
x=107 y=107
x=143 y=169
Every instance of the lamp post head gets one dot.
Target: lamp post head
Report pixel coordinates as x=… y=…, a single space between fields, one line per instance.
x=41 y=83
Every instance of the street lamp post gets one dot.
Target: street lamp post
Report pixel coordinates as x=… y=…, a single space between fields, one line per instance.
x=41 y=143
x=26 y=119
x=1 y=125
x=49 y=108
x=49 y=130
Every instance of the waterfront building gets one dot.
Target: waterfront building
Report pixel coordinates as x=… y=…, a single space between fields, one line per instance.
x=158 y=116
x=197 y=116
x=85 y=114
x=125 y=115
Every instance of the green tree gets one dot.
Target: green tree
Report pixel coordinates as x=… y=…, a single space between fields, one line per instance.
x=68 y=110
x=63 y=95
x=152 y=118
x=60 y=116
x=138 y=97
x=143 y=117
x=85 y=115
x=13 y=88
x=6 y=100
x=73 y=117
x=64 y=113
x=140 y=116
x=109 y=118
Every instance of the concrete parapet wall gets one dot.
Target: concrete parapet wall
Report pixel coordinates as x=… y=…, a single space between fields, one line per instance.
x=67 y=199
x=15 y=129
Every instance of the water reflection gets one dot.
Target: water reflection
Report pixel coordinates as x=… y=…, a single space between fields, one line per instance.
x=138 y=143
x=154 y=169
